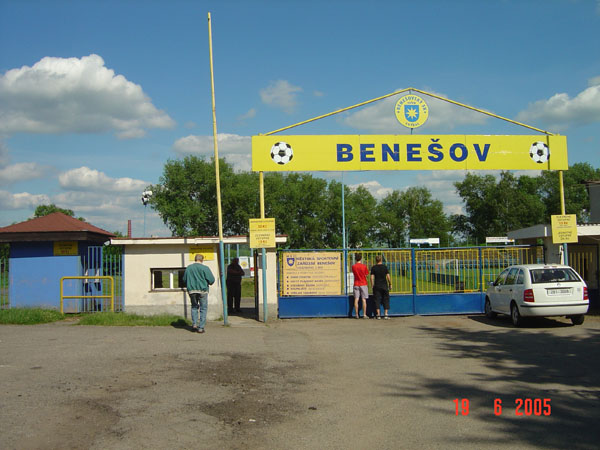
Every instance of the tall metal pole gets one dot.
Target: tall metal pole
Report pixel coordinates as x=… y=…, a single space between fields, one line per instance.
x=563 y=212
x=344 y=243
x=218 y=178
x=262 y=250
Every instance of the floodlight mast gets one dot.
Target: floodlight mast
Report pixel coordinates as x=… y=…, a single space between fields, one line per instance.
x=218 y=178
x=146 y=195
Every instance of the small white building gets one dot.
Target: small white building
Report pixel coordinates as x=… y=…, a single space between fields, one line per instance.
x=154 y=267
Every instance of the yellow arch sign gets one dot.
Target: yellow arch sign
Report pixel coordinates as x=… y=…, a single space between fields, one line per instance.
x=290 y=153
x=404 y=152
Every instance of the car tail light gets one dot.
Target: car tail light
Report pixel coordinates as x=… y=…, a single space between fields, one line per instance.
x=528 y=295
x=585 y=293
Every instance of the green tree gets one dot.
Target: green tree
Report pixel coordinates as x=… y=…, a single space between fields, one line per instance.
x=411 y=214
x=44 y=210
x=495 y=207
x=576 y=195
x=296 y=201
x=361 y=218
x=186 y=196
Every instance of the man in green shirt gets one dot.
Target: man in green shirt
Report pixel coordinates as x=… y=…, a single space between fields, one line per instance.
x=197 y=278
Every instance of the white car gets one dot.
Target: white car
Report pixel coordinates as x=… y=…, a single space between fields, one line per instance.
x=538 y=290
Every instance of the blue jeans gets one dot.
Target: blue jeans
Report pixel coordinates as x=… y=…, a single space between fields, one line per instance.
x=199 y=301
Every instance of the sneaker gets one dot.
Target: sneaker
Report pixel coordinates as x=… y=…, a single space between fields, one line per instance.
x=366 y=317
x=378 y=317
x=195 y=329
x=201 y=330
x=386 y=317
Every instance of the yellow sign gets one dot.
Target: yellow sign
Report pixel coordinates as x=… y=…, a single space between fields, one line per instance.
x=205 y=250
x=307 y=273
x=262 y=233
x=65 y=248
x=411 y=111
x=564 y=228
x=408 y=152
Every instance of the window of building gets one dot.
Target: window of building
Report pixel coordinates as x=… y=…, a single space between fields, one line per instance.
x=169 y=278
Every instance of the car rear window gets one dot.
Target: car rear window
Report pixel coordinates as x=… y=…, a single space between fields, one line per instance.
x=552 y=275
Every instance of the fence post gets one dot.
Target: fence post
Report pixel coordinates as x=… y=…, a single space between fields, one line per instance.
x=481 y=287
x=413 y=264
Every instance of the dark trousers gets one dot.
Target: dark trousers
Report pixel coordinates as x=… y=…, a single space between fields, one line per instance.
x=234 y=295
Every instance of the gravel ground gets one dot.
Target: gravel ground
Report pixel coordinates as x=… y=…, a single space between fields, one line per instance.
x=319 y=383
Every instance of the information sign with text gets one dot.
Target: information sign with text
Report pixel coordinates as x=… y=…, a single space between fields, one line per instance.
x=262 y=233
x=312 y=273
x=564 y=228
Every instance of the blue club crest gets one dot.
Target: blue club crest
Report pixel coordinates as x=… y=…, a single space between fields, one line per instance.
x=411 y=112
x=290 y=261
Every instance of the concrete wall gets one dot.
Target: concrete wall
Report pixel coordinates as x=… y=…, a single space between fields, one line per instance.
x=141 y=299
x=271 y=285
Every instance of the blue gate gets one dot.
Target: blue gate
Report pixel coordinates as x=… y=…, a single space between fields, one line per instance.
x=101 y=261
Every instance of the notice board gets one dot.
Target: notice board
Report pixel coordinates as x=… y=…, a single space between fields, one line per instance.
x=312 y=273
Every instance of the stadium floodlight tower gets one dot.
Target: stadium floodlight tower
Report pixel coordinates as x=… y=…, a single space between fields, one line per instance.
x=146 y=195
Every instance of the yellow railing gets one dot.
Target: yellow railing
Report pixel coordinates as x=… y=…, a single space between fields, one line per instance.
x=398 y=263
x=91 y=277
x=495 y=259
x=443 y=271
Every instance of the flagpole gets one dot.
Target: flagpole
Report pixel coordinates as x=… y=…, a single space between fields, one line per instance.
x=218 y=178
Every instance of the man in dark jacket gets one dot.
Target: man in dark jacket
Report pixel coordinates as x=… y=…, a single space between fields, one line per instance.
x=234 y=285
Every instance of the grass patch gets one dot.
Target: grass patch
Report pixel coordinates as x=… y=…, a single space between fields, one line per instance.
x=29 y=316
x=131 y=320
x=248 y=287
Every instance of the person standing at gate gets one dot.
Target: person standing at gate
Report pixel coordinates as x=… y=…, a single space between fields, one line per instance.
x=197 y=277
x=234 y=285
x=361 y=288
x=381 y=282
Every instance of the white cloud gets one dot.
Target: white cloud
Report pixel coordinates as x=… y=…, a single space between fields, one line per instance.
x=86 y=179
x=237 y=150
x=20 y=172
x=22 y=200
x=75 y=95
x=441 y=185
x=380 y=116
x=281 y=94
x=250 y=114
x=375 y=188
x=560 y=111
x=14 y=173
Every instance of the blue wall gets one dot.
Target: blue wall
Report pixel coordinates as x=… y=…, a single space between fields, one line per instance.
x=35 y=274
x=400 y=305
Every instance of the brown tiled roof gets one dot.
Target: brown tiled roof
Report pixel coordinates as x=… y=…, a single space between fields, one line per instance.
x=55 y=222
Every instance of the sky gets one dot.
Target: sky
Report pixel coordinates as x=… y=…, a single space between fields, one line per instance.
x=96 y=96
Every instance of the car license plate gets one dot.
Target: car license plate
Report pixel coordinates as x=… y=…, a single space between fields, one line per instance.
x=559 y=291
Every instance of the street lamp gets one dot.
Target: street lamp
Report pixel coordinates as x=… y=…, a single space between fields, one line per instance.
x=146 y=195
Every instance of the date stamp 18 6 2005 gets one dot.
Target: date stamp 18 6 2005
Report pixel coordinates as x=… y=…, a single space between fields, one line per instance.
x=522 y=407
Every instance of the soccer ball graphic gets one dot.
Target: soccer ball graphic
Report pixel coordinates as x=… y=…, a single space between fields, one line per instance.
x=282 y=153
x=539 y=152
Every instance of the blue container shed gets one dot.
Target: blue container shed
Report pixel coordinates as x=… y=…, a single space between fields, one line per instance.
x=42 y=251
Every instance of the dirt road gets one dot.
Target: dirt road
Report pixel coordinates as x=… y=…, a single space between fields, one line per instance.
x=320 y=383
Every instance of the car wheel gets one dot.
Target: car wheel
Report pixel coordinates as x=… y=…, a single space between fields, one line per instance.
x=578 y=319
x=488 y=309
x=515 y=316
